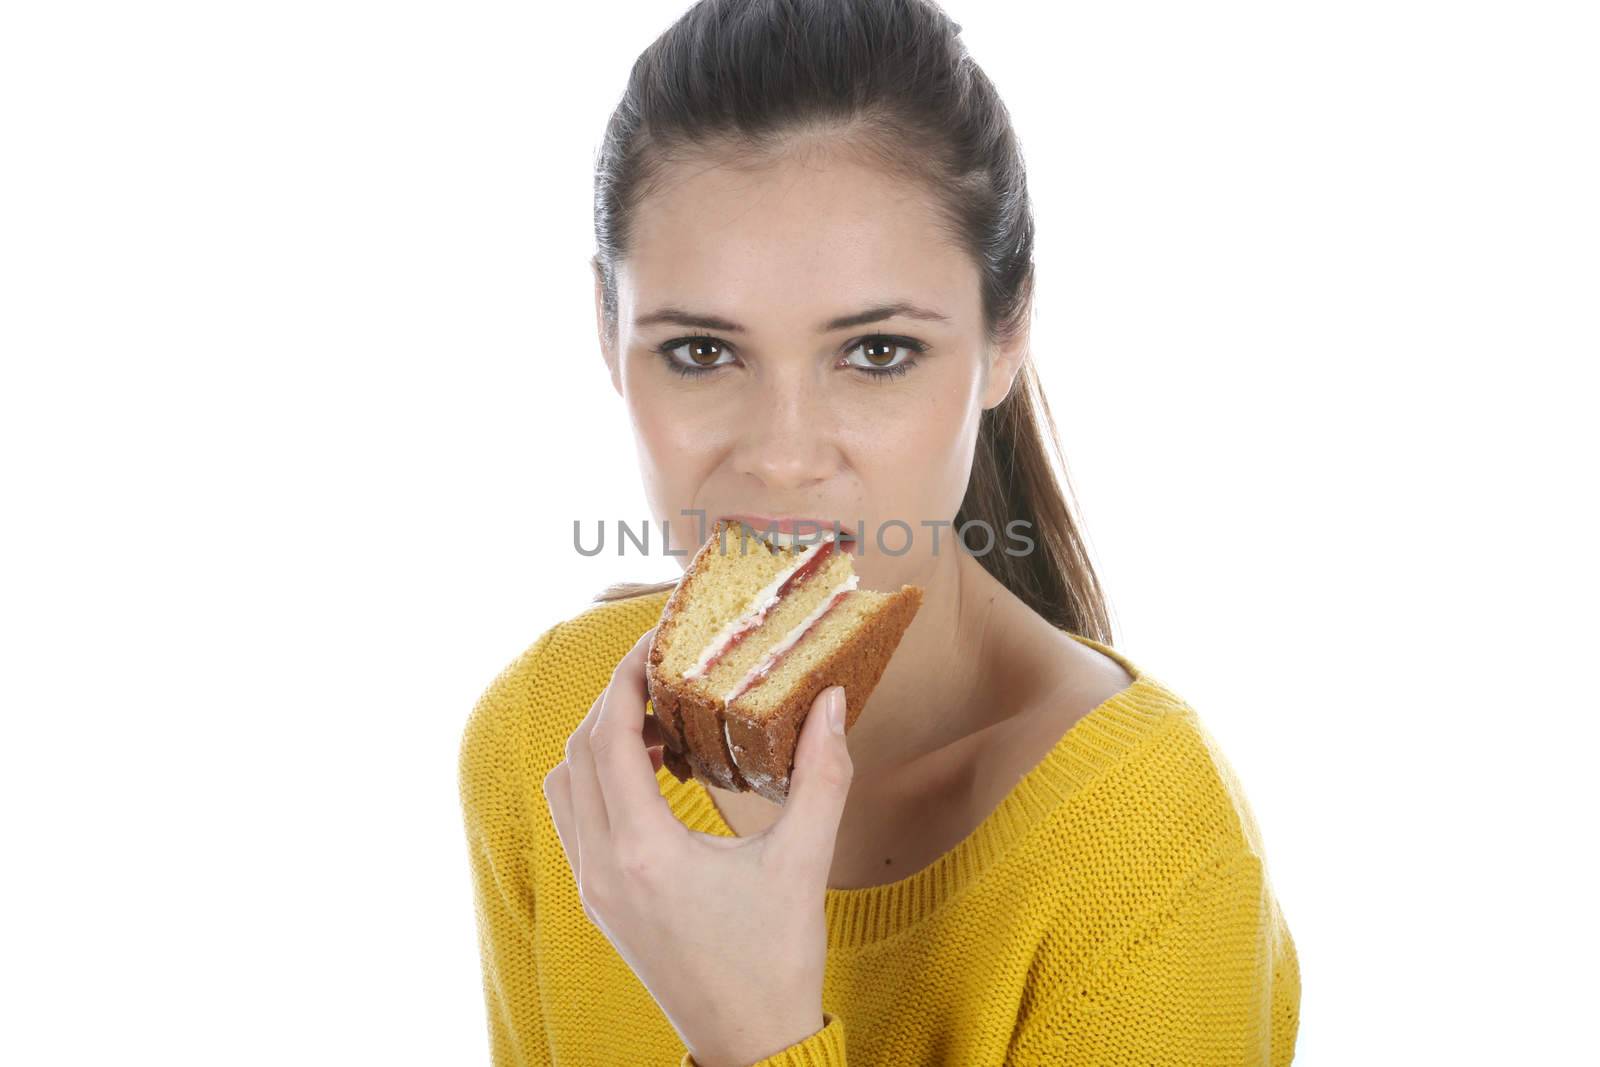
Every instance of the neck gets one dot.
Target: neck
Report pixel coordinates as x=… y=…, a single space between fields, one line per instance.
x=929 y=695
x=940 y=686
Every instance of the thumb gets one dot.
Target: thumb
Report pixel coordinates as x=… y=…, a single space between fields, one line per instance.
x=819 y=782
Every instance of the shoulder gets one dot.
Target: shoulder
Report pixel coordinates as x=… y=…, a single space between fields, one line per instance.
x=1090 y=674
x=1166 y=807
x=1075 y=679
x=517 y=730
x=1175 y=884
x=1172 y=785
x=1137 y=774
x=1147 y=813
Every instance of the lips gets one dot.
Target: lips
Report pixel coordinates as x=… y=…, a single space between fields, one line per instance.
x=808 y=528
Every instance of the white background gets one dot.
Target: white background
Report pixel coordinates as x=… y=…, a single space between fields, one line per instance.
x=301 y=395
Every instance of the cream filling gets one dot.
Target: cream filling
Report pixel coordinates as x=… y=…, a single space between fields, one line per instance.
x=753 y=777
x=754 y=612
x=788 y=642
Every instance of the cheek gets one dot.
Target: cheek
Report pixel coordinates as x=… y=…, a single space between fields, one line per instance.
x=678 y=445
x=663 y=424
x=914 y=457
x=670 y=445
x=678 y=457
x=663 y=432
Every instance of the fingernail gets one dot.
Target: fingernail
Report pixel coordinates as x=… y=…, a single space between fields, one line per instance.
x=836 y=709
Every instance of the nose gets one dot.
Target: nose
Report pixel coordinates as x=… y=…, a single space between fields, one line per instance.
x=788 y=434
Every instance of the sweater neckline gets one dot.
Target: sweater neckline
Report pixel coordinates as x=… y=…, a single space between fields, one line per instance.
x=864 y=916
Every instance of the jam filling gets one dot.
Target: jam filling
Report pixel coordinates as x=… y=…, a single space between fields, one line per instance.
x=759 y=673
x=813 y=563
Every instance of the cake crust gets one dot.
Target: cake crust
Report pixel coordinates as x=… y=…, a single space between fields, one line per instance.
x=763 y=752
x=691 y=724
x=696 y=728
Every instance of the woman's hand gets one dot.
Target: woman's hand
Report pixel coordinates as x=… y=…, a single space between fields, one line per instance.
x=727 y=934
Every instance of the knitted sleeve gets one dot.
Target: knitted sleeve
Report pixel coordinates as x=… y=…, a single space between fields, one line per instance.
x=499 y=844
x=825 y=1048
x=1209 y=978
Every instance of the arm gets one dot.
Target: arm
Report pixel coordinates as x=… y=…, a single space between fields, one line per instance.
x=498 y=843
x=825 y=1048
x=667 y=897
x=1210 y=978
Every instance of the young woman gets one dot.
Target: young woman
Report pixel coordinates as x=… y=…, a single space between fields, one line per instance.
x=813 y=291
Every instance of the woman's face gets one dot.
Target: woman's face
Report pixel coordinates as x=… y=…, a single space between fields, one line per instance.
x=834 y=347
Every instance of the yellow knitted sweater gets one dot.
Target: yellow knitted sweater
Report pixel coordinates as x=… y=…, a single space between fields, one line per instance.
x=1114 y=909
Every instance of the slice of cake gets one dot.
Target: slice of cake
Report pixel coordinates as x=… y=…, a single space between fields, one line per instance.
x=754 y=631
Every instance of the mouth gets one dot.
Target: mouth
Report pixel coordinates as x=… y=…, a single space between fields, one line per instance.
x=796 y=531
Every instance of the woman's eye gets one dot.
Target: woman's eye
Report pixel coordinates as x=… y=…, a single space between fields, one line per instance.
x=694 y=356
x=883 y=355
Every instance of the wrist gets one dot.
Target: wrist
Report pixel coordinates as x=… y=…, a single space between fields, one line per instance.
x=755 y=1043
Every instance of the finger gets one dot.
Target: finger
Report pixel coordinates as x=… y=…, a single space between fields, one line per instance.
x=652 y=732
x=820 y=784
x=589 y=820
x=558 y=795
x=635 y=807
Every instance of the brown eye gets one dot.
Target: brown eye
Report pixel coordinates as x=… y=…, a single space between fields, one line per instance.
x=704 y=353
x=879 y=352
x=884 y=356
x=691 y=356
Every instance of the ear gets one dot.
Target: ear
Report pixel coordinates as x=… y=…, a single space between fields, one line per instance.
x=1005 y=362
x=612 y=367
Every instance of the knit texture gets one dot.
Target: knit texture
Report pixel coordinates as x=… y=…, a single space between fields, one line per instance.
x=1113 y=909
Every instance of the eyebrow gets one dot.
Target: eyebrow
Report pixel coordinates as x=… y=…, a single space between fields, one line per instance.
x=876 y=313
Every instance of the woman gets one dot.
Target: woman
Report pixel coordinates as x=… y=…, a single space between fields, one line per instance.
x=813 y=290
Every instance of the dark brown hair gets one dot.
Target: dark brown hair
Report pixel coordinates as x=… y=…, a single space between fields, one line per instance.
x=896 y=82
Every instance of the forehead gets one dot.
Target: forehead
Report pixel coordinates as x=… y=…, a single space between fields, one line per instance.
x=807 y=235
